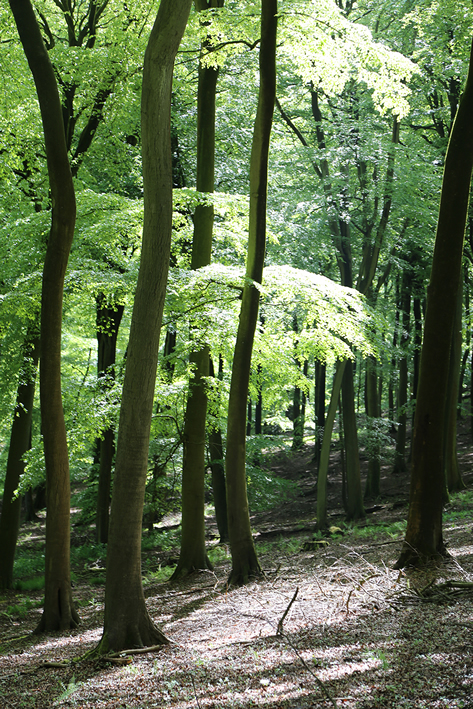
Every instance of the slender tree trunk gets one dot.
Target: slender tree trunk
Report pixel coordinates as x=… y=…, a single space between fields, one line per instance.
x=424 y=536
x=20 y=441
x=193 y=554
x=218 y=468
x=108 y=322
x=59 y=612
x=322 y=522
x=355 y=509
x=400 y=464
x=127 y=623
x=319 y=409
x=244 y=560
x=373 y=412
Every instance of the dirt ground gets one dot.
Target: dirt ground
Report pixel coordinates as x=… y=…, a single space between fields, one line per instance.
x=329 y=625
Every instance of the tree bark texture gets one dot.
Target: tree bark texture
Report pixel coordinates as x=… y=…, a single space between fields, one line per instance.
x=424 y=536
x=127 y=623
x=453 y=477
x=59 y=612
x=244 y=560
x=20 y=439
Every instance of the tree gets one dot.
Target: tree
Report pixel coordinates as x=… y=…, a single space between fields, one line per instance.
x=127 y=623
x=19 y=443
x=193 y=555
x=59 y=612
x=244 y=560
x=424 y=538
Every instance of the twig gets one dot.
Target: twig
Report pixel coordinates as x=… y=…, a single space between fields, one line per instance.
x=304 y=663
x=195 y=692
x=280 y=624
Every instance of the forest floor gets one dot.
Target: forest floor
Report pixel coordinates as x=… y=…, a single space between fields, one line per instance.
x=357 y=634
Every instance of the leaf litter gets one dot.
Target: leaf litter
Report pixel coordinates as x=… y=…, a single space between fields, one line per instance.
x=328 y=626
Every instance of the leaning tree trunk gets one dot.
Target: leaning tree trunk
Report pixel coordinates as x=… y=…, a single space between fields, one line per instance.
x=59 y=612
x=244 y=560
x=19 y=443
x=127 y=623
x=424 y=537
x=193 y=554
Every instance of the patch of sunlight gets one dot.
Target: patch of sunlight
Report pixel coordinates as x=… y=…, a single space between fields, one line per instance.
x=461 y=551
x=89 y=636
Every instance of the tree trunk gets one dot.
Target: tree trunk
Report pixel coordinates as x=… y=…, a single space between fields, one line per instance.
x=453 y=478
x=126 y=622
x=322 y=522
x=20 y=441
x=193 y=555
x=424 y=537
x=355 y=509
x=400 y=454
x=372 y=410
x=108 y=322
x=59 y=612
x=218 y=468
x=319 y=409
x=244 y=560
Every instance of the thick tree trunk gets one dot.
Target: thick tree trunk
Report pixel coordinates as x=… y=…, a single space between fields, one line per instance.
x=127 y=623
x=244 y=560
x=193 y=555
x=59 y=612
x=20 y=439
x=424 y=537
x=453 y=478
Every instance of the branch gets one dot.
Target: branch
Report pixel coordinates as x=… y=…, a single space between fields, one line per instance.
x=298 y=133
x=279 y=630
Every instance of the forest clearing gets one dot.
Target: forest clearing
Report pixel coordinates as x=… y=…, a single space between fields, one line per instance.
x=357 y=634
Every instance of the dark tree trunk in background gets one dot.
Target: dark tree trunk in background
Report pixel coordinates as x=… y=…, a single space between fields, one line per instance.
x=109 y=317
x=319 y=408
x=127 y=623
x=424 y=537
x=244 y=560
x=400 y=464
x=59 y=612
x=217 y=466
x=20 y=442
x=373 y=412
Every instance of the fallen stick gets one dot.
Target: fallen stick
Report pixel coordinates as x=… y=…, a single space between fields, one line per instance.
x=281 y=622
